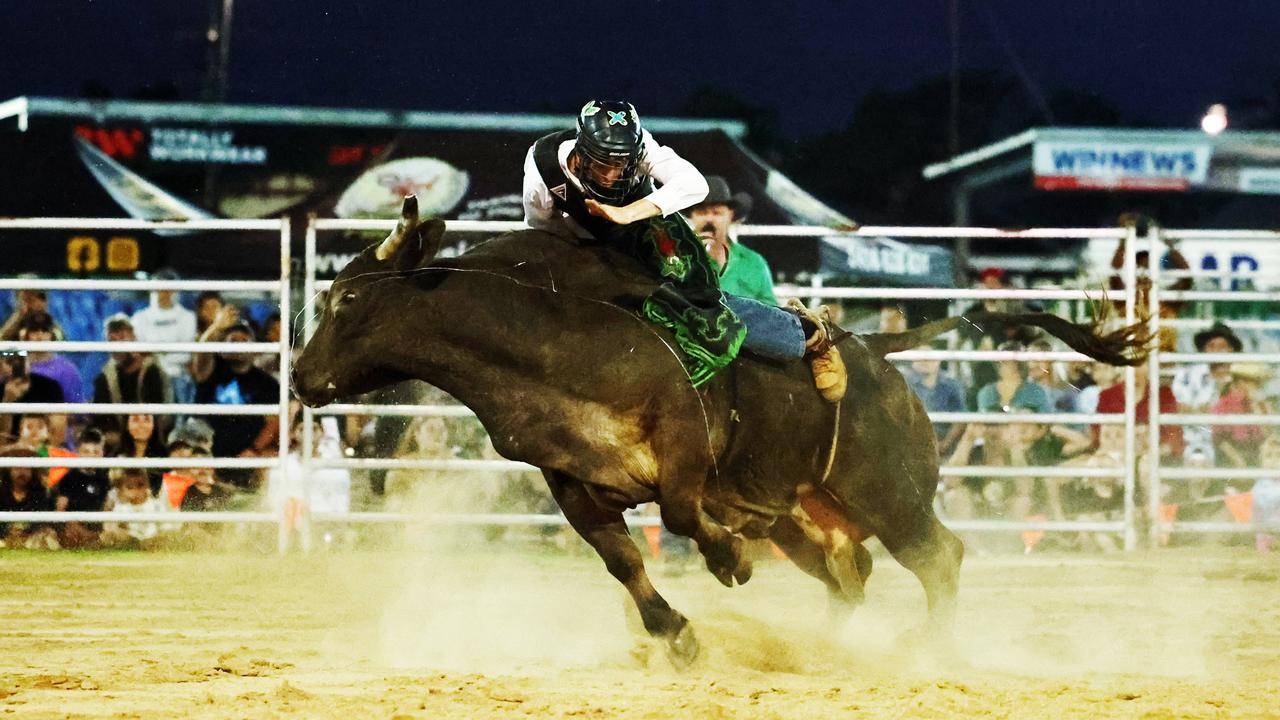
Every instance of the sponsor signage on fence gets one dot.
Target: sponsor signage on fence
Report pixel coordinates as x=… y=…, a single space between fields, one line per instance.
x=1244 y=255
x=1085 y=165
x=886 y=260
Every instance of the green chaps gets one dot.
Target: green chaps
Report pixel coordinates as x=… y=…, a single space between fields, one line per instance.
x=688 y=302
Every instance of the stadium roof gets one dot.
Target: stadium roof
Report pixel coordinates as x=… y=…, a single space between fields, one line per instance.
x=24 y=108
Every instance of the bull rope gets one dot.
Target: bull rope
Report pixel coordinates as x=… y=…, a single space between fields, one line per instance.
x=835 y=442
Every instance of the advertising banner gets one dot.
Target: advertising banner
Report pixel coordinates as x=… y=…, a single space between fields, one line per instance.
x=180 y=161
x=1234 y=162
x=1066 y=165
x=1261 y=258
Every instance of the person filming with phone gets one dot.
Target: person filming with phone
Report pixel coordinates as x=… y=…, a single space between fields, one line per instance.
x=19 y=385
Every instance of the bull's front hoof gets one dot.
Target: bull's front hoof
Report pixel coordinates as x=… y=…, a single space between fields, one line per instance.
x=729 y=563
x=682 y=648
x=740 y=574
x=724 y=576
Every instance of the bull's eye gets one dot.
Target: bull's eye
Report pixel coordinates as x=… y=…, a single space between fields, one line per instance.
x=346 y=298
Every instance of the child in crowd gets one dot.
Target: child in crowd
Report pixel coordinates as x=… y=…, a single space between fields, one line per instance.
x=427 y=438
x=22 y=490
x=296 y=492
x=83 y=490
x=195 y=488
x=206 y=493
x=33 y=433
x=131 y=493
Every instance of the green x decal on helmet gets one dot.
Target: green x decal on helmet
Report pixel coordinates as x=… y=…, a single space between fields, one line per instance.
x=609 y=146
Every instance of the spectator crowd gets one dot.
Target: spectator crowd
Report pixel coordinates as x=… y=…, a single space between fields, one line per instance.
x=1017 y=387
x=131 y=377
x=210 y=378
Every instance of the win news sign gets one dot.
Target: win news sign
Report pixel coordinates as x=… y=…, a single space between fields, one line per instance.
x=1103 y=165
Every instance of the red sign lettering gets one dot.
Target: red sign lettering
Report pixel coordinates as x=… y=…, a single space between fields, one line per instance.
x=117 y=142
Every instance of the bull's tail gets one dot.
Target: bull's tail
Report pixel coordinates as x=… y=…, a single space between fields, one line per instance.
x=1128 y=345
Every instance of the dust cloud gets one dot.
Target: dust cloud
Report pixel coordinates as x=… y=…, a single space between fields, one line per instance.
x=468 y=606
x=448 y=623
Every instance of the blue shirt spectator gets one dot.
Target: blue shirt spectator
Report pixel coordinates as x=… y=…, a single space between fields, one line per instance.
x=1029 y=396
x=940 y=393
x=1012 y=388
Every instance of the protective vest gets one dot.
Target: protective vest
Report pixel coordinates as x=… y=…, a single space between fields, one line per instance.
x=567 y=198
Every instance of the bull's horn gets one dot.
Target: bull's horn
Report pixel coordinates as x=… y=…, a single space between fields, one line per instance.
x=408 y=219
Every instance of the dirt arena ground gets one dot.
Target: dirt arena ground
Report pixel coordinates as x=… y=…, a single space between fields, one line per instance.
x=512 y=633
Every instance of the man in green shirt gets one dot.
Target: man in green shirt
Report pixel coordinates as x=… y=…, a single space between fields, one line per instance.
x=743 y=271
x=747 y=284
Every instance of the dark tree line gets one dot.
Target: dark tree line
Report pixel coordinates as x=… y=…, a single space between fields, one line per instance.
x=871 y=168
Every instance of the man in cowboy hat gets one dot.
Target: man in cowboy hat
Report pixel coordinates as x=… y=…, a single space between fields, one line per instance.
x=747 y=283
x=1198 y=387
x=743 y=271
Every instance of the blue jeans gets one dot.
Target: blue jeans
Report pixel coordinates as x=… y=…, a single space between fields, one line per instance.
x=772 y=332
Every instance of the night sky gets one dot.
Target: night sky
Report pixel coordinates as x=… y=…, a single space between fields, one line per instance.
x=1161 y=62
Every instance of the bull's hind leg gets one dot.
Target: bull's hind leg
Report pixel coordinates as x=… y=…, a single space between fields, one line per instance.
x=606 y=531
x=810 y=557
x=933 y=553
x=834 y=555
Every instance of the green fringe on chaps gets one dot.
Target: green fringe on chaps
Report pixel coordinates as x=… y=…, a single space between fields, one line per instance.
x=689 y=302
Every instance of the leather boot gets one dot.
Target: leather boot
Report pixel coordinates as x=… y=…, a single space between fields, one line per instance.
x=829 y=375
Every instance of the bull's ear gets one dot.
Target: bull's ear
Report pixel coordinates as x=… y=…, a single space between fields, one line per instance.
x=421 y=246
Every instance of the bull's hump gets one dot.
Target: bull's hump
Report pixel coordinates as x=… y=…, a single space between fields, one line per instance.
x=546 y=260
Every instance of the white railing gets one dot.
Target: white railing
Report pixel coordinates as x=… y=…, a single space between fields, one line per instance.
x=280 y=287
x=1128 y=525
x=1126 y=471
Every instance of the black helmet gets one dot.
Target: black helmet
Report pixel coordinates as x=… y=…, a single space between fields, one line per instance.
x=609 y=140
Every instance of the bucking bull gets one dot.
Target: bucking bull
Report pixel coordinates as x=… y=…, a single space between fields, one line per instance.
x=542 y=338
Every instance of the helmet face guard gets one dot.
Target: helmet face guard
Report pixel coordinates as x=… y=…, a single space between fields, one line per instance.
x=608 y=148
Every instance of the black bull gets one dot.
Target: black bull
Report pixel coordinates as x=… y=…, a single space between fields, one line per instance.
x=540 y=337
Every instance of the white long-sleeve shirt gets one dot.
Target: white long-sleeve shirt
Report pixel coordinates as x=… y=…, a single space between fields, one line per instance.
x=681 y=186
x=173 y=324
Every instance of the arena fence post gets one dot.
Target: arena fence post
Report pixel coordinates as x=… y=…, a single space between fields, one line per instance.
x=308 y=312
x=1130 y=399
x=1154 y=247
x=282 y=450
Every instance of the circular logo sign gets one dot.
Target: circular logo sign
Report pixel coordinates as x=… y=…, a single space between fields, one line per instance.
x=379 y=192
